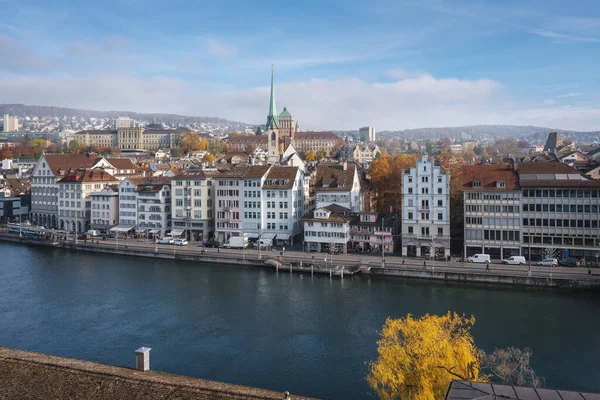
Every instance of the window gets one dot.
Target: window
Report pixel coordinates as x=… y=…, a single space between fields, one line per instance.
x=440 y=203
x=440 y=231
x=439 y=190
x=410 y=190
x=410 y=215
x=501 y=184
x=477 y=184
x=410 y=229
x=440 y=216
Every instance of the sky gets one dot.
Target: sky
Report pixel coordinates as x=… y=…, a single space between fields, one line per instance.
x=339 y=64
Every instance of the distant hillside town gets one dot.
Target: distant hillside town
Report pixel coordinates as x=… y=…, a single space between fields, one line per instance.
x=324 y=191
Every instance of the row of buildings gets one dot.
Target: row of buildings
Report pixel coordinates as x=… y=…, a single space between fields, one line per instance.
x=546 y=209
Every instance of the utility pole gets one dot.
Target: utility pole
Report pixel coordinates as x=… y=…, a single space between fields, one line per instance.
x=529 y=268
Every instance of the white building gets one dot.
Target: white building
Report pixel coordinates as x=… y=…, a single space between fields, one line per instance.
x=50 y=168
x=154 y=207
x=425 y=210
x=283 y=190
x=128 y=204
x=74 y=193
x=123 y=122
x=240 y=184
x=193 y=204
x=367 y=134
x=11 y=124
x=105 y=208
x=327 y=228
x=338 y=184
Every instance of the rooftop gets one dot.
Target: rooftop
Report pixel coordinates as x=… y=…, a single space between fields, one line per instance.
x=281 y=178
x=463 y=390
x=333 y=177
x=489 y=175
x=28 y=375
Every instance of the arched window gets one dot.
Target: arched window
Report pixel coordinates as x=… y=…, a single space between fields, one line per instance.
x=273 y=136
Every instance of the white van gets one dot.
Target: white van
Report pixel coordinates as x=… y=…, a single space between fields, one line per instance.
x=263 y=243
x=479 y=258
x=93 y=232
x=514 y=260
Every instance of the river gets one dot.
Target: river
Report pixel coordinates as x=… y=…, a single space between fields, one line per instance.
x=256 y=327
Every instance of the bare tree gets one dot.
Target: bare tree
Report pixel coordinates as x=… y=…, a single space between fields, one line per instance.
x=510 y=366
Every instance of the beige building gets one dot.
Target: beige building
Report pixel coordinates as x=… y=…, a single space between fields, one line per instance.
x=367 y=134
x=105 y=208
x=150 y=138
x=11 y=124
x=123 y=122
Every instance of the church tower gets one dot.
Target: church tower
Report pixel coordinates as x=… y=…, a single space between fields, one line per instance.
x=272 y=127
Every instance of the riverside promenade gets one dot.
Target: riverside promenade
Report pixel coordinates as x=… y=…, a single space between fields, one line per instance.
x=341 y=265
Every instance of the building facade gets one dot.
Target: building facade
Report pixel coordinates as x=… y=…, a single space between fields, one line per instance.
x=426 y=210
x=367 y=134
x=492 y=211
x=154 y=207
x=369 y=231
x=11 y=124
x=193 y=204
x=327 y=229
x=150 y=138
x=105 y=208
x=74 y=193
x=338 y=184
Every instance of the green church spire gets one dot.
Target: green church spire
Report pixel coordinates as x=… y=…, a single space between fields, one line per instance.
x=272 y=117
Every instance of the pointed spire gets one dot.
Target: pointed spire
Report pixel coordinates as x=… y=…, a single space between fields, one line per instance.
x=272 y=117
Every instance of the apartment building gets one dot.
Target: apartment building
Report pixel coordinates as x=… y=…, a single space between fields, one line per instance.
x=193 y=203
x=154 y=207
x=426 y=210
x=105 y=208
x=49 y=169
x=338 y=184
x=242 y=183
x=327 y=229
x=283 y=190
x=560 y=211
x=492 y=210
x=362 y=153
x=369 y=231
x=74 y=194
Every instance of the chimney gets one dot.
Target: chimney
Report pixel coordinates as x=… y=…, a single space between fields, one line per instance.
x=345 y=165
x=142 y=358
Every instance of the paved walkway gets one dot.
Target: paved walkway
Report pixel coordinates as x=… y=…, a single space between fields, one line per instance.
x=371 y=260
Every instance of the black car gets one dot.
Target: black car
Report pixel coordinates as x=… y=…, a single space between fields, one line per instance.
x=211 y=243
x=568 y=262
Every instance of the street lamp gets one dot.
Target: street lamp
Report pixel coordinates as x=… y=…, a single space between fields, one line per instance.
x=529 y=267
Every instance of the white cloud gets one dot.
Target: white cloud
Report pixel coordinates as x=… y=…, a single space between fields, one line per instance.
x=400 y=74
x=220 y=49
x=564 y=36
x=317 y=104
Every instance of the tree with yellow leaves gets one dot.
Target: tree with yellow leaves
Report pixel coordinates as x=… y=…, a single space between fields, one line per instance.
x=418 y=357
x=191 y=141
x=310 y=156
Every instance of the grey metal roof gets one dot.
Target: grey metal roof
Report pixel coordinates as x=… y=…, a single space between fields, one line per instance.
x=464 y=390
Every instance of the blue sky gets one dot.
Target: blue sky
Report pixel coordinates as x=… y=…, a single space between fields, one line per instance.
x=339 y=64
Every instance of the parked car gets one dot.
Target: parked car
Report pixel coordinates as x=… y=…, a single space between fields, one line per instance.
x=263 y=243
x=479 y=258
x=514 y=260
x=93 y=232
x=211 y=243
x=166 y=240
x=85 y=236
x=548 y=262
x=568 y=262
x=180 y=242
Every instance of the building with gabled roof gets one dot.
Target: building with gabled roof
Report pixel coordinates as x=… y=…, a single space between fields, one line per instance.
x=74 y=194
x=327 y=229
x=338 y=184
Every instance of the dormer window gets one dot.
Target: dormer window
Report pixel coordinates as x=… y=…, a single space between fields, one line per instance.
x=476 y=184
x=501 y=184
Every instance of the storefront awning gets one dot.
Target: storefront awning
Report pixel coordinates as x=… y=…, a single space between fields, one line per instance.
x=283 y=236
x=121 y=228
x=177 y=232
x=252 y=235
x=267 y=236
x=153 y=231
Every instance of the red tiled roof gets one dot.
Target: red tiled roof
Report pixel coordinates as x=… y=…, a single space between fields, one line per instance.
x=59 y=163
x=284 y=176
x=488 y=175
x=88 y=175
x=334 y=177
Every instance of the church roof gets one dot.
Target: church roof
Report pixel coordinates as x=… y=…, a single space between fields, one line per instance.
x=285 y=113
x=272 y=118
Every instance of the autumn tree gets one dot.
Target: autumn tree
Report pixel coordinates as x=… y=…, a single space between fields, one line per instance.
x=386 y=176
x=208 y=157
x=74 y=146
x=503 y=148
x=418 y=357
x=310 y=156
x=191 y=141
x=320 y=155
x=510 y=366
x=5 y=153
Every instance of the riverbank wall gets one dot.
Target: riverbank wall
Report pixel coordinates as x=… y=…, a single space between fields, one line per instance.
x=580 y=284
x=490 y=279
